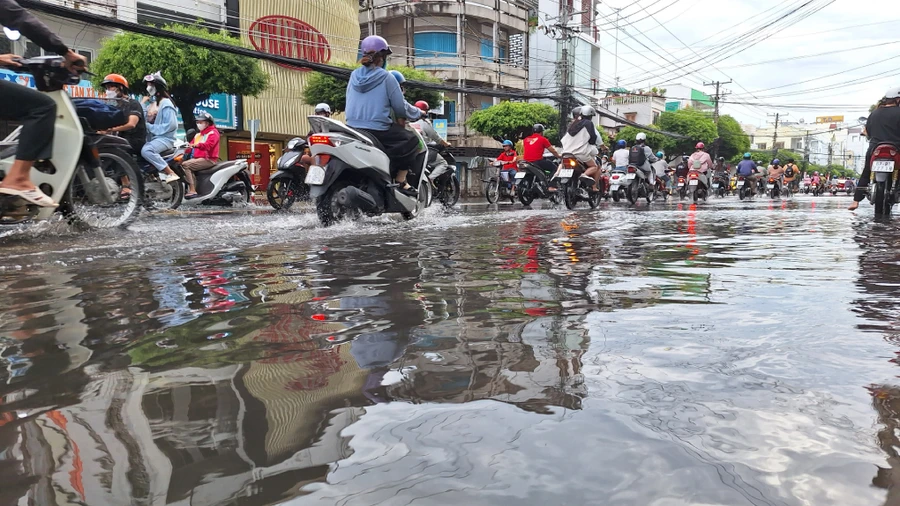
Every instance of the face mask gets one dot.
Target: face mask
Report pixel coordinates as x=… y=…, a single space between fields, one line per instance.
x=151 y=90
x=112 y=94
x=202 y=126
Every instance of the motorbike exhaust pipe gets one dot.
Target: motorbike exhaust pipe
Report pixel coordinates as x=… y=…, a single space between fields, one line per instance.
x=352 y=197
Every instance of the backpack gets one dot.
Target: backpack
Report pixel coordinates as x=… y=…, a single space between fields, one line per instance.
x=789 y=170
x=99 y=114
x=636 y=155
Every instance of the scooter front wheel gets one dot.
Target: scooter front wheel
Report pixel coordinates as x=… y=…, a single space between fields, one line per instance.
x=492 y=191
x=118 y=175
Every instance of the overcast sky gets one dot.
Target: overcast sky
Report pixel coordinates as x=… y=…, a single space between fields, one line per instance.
x=831 y=31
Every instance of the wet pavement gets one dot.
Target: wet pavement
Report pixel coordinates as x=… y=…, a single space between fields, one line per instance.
x=727 y=353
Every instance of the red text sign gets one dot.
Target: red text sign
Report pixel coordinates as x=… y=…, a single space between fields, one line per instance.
x=289 y=37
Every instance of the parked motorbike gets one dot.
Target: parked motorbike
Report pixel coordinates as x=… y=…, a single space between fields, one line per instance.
x=885 y=163
x=443 y=175
x=574 y=185
x=351 y=175
x=94 y=191
x=288 y=184
x=499 y=185
x=697 y=184
x=638 y=185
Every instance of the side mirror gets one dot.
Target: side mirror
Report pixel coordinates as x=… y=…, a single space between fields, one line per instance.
x=190 y=134
x=12 y=34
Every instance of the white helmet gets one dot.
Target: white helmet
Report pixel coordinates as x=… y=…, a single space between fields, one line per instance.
x=640 y=137
x=323 y=107
x=892 y=94
x=588 y=112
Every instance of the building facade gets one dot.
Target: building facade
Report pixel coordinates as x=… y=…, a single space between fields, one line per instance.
x=825 y=143
x=476 y=45
x=643 y=109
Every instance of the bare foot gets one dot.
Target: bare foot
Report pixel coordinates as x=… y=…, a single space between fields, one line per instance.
x=853 y=206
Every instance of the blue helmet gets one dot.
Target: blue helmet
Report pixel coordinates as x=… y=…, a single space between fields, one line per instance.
x=508 y=143
x=621 y=143
x=398 y=76
x=659 y=154
x=747 y=156
x=776 y=162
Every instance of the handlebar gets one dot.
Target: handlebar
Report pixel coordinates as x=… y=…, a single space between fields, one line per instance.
x=50 y=72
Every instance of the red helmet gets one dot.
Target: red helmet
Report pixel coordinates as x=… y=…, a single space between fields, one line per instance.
x=700 y=145
x=423 y=105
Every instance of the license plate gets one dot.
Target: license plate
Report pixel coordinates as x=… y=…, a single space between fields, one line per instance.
x=883 y=166
x=680 y=185
x=740 y=183
x=694 y=182
x=520 y=175
x=566 y=172
x=614 y=187
x=315 y=175
x=629 y=177
x=771 y=186
x=715 y=185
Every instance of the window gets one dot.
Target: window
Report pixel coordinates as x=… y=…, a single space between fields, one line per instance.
x=435 y=44
x=32 y=50
x=631 y=116
x=485 y=105
x=88 y=55
x=450 y=109
x=487 y=51
x=779 y=145
x=761 y=145
x=655 y=117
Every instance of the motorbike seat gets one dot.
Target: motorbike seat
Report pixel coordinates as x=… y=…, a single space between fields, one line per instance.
x=167 y=152
x=8 y=152
x=372 y=138
x=217 y=167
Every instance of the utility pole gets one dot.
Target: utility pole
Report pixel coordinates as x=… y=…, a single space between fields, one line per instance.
x=718 y=96
x=806 y=153
x=565 y=88
x=616 y=56
x=775 y=136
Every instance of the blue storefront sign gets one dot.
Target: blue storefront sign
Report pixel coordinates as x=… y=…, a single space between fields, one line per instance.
x=440 y=126
x=222 y=108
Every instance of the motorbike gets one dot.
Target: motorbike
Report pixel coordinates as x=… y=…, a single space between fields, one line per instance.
x=532 y=183
x=499 y=185
x=719 y=184
x=818 y=189
x=743 y=188
x=287 y=185
x=224 y=184
x=443 y=175
x=661 y=190
x=884 y=191
x=776 y=187
x=697 y=185
x=351 y=175
x=93 y=191
x=574 y=185
x=761 y=187
x=638 y=185
x=617 y=184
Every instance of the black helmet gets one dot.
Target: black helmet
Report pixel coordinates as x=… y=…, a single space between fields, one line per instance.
x=157 y=79
x=204 y=116
x=538 y=128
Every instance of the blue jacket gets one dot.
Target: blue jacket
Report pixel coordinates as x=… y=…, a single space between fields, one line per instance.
x=745 y=167
x=166 y=122
x=372 y=94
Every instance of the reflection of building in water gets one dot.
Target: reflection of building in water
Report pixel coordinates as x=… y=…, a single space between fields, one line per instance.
x=197 y=435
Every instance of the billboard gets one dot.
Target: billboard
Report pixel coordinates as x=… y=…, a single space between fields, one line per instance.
x=829 y=119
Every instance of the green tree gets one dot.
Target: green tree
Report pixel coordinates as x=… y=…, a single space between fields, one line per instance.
x=655 y=140
x=734 y=141
x=695 y=125
x=333 y=90
x=766 y=156
x=193 y=72
x=514 y=120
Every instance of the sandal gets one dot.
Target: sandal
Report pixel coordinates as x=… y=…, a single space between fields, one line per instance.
x=33 y=196
x=125 y=194
x=406 y=189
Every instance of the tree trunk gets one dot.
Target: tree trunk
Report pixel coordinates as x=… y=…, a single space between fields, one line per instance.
x=186 y=101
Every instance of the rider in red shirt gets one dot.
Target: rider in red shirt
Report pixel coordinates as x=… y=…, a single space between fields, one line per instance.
x=510 y=160
x=533 y=150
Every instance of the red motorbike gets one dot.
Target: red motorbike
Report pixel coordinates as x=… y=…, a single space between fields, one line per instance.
x=885 y=163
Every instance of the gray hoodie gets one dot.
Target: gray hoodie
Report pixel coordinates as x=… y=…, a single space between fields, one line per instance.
x=372 y=94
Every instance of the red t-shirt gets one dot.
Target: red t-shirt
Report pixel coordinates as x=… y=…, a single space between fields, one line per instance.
x=507 y=156
x=534 y=146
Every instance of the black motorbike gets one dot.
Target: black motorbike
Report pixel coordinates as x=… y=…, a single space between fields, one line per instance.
x=574 y=185
x=158 y=195
x=533 y=183
x=720 y=184
x=443 y=175
x=288 y=185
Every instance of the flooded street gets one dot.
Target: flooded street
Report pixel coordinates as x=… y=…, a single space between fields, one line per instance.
x=735 y=353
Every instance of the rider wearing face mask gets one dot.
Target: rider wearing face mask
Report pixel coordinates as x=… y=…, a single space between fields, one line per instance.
x=162 y=123
x=204 y=151
x=135 y=130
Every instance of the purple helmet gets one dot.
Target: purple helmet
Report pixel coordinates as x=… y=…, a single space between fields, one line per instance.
x=374 y=44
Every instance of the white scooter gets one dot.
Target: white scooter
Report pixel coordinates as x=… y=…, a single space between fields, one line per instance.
x=351 y=174
x=224 y=184
x=90 y=190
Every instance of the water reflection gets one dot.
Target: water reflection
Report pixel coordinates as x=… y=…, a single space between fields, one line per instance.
x=391 y=365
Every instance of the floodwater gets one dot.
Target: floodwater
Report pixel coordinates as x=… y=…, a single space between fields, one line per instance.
x=728 y=353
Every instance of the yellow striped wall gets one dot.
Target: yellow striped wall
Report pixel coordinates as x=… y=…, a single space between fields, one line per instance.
x=280 y=109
